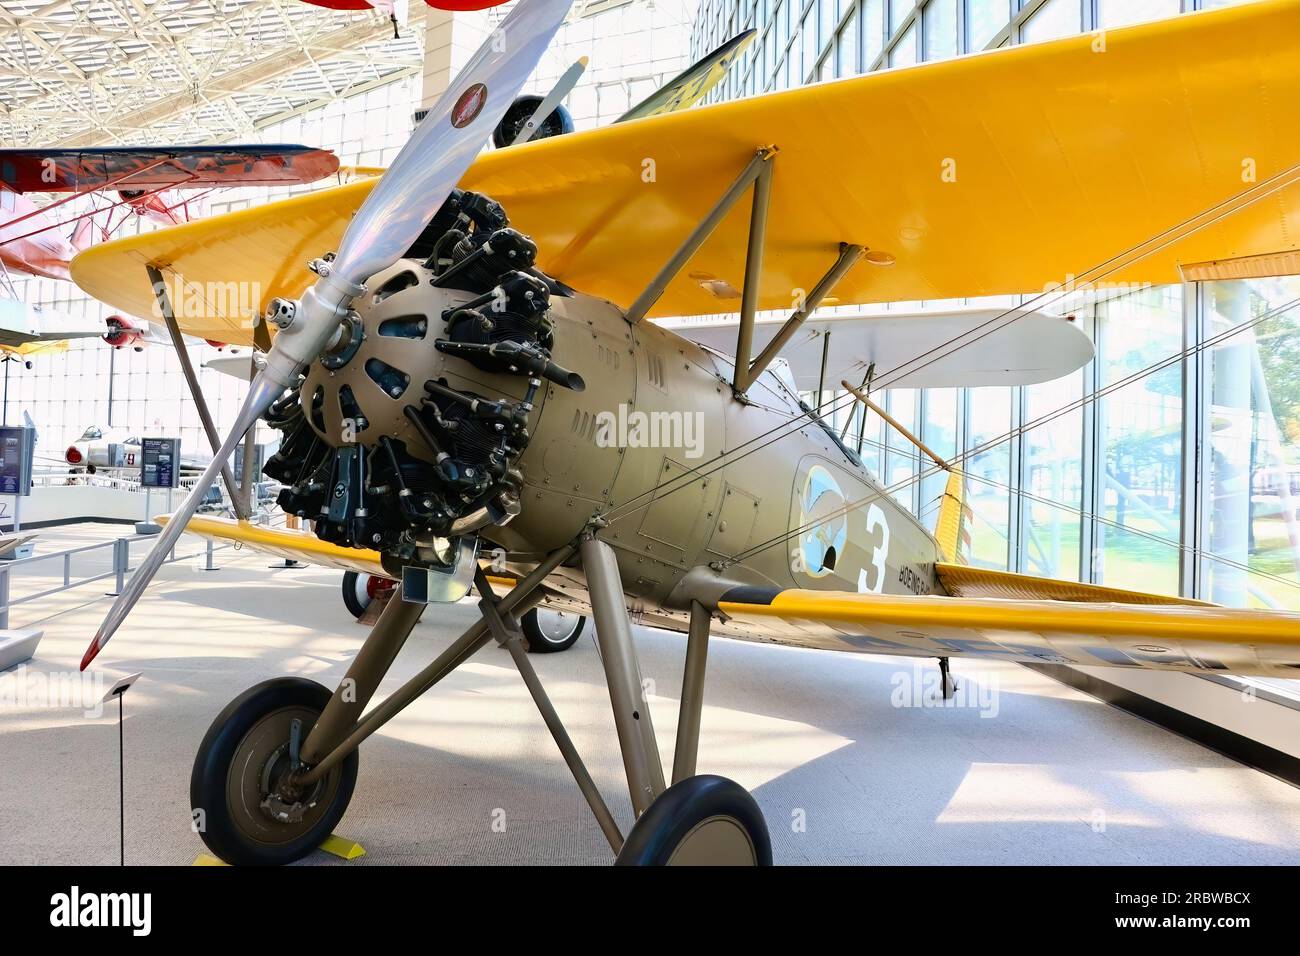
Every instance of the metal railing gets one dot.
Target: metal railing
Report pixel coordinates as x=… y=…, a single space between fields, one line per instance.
x=104 y=478
x=121 y=564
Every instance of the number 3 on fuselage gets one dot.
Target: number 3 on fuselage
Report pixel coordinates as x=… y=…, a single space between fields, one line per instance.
x=873 y=580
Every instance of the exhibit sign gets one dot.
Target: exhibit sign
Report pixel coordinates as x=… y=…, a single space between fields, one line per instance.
x=17 y=444
x=259 y=459
x=160 y=462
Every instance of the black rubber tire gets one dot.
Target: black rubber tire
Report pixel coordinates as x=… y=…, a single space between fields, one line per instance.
x=539 y=642
x=350 y=599
x=220 y=749
x=656 y=836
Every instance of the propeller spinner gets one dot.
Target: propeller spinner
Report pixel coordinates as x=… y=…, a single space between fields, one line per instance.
x=388 y=222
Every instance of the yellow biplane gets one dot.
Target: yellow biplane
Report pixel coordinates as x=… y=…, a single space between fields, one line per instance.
x=474 y=375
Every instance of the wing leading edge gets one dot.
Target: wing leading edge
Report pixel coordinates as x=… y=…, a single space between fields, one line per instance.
x=283 y=543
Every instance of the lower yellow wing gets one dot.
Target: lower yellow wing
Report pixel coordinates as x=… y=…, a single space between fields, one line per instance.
x=1185 y=636
x=284 y=543
x=296 y=546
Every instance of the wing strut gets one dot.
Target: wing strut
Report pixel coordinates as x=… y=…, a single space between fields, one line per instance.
x=187 y=367
x=747 y=371
x=758 y=170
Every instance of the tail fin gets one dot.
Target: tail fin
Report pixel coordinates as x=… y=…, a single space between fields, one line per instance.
x=953 y=529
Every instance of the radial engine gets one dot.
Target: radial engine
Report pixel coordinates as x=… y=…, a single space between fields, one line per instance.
x=406 y=433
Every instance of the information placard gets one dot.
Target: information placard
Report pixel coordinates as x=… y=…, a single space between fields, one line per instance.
x=260 y=455
x=17 y=443
x=160 y=462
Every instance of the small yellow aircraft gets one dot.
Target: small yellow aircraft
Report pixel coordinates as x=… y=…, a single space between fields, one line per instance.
x=28 y=330
x=472 y=385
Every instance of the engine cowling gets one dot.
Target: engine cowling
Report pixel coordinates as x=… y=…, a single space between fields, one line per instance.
x=122 y=332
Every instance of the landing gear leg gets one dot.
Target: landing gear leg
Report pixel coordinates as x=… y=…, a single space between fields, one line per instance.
x=688 y=718
x=358 y=686
x=699 y=820
x=636 y=735
x=243 y=782
x=945 y=678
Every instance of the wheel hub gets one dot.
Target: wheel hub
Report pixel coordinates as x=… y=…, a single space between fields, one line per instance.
x=285 y=801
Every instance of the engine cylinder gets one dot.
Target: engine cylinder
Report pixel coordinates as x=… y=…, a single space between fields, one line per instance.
x=410 y=426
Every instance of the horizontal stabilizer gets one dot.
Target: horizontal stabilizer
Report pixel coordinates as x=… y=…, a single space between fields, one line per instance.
x=237 y=366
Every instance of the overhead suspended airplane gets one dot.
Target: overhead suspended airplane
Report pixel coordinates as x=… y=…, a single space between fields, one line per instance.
x=27 y=330
x=472 y=382
x=31 y=240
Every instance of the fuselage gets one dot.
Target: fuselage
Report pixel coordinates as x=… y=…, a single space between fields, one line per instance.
x=696 y=489
x=94 y=451
x=29 y=239
x=643 y=447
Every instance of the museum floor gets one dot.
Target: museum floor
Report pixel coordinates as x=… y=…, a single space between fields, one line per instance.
x=1024 y=771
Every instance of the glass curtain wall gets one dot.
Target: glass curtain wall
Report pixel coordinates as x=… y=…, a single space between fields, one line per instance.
x=1172 y=461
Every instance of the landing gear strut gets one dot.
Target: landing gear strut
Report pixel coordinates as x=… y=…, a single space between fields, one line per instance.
x=276 y=769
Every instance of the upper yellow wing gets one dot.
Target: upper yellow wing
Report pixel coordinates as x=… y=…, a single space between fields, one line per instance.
x=1031 y=620
x=1004 y=172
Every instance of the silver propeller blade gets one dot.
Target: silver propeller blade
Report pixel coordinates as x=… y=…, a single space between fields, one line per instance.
x=544 y=109
x=394 y=214
x=435 y=158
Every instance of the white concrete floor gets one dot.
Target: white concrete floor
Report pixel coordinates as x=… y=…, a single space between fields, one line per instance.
x=847 y=762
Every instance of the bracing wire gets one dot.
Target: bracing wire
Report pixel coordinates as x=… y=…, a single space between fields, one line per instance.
x=1175 y=233
x=1066 y=409
x=1119 y=525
